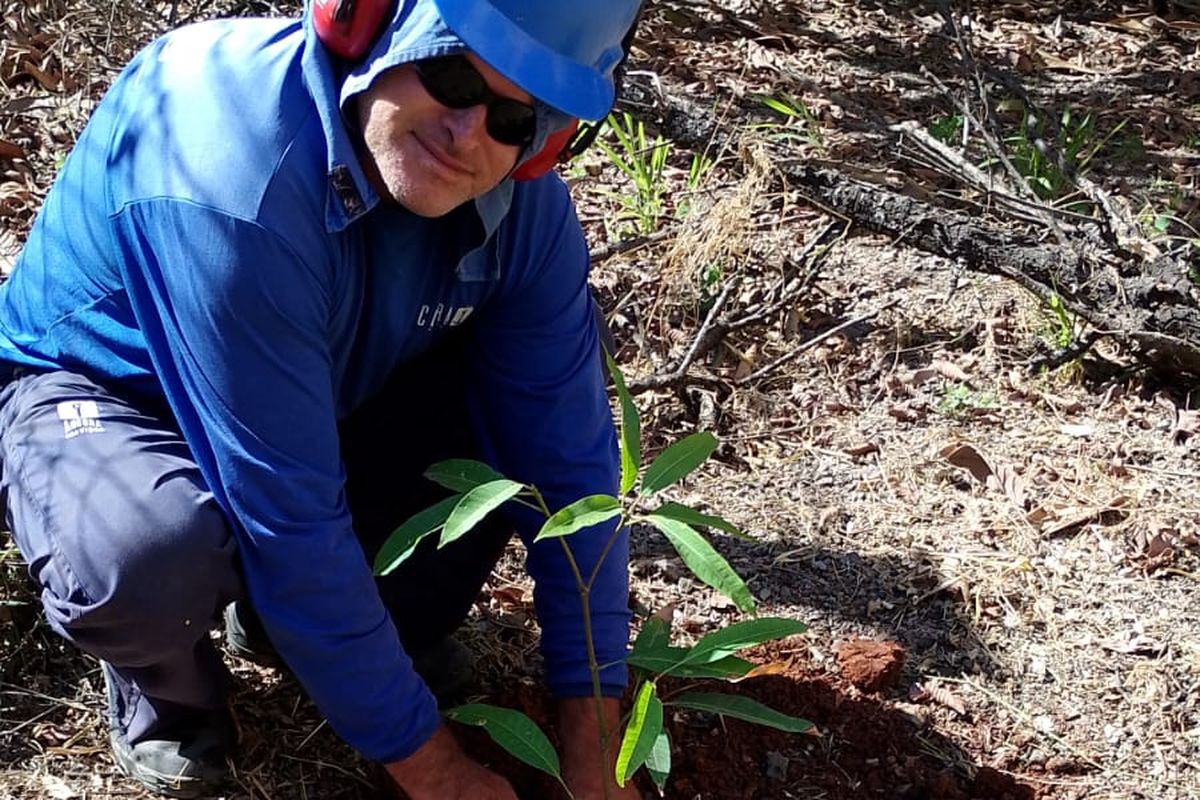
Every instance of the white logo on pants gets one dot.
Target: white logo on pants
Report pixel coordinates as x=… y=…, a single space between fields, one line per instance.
x=79 y=416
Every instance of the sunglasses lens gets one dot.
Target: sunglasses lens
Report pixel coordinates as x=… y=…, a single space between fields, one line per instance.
x=512 y=123
x=455 y=83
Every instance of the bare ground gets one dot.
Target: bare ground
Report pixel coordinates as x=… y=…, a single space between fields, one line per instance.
x=1029 y=538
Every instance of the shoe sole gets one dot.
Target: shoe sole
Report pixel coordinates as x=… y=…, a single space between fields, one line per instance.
x=178 y=786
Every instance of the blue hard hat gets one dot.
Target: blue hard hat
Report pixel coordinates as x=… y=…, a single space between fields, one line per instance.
x=563 y=52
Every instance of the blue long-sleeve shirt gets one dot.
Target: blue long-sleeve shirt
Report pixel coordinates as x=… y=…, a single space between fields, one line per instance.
x=211 y=239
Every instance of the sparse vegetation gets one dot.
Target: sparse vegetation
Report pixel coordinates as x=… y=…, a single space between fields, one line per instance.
x=1048 y=157
x=1040 y=585
x=643 y=161
x=958 y=400
x=800 y=124
x=947 y=129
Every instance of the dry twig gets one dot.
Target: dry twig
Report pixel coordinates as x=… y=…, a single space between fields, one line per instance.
x=813 y=342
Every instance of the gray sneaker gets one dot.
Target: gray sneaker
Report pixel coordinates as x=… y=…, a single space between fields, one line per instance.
x=245 y=637
x=187 y=759
x=446 y=666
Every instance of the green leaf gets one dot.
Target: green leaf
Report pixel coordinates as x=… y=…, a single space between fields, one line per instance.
x=740 y=635
x=743 y=708
x=516 y=733
x=403 y=541
x=461 y=474
x=693 y=517
x=475 y=505
x=707 y=564
x=583 y=513
x=678 y=460
x=631 y=429
x=778 y=106
x=658 y=763
x=654 y=635
x=673 y=661
x=642 y=732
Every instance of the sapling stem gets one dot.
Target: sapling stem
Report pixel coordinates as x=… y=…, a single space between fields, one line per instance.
x=608 y=546
x=585 y=608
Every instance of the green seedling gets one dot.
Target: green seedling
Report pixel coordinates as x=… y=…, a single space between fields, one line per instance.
x=800 y=125
x=643 y=162
x=697 y=172
x=1063 y=330
x=959 y=401
x=712 y=280
x=947 y=130
x=1078 y=143
x=1162 y=218
x=701 y=166
x=644 y=743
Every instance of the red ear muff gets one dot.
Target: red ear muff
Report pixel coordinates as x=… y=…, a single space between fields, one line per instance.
x=348 y=27
x=544 y=160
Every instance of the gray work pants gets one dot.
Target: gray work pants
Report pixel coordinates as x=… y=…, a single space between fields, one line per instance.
x=135 y=561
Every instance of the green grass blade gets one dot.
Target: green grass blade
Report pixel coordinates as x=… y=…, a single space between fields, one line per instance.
x=584 y=513
x=642 y=732
x=631 y=429
x=740 y=635
x=693 y=517
x=778 y=107
x=461 y=474
x=707 y=564
x=743 y=708
x=658 y=763
x=516 y=733
x=678 y=460
x=403 y=541
x=475 y=505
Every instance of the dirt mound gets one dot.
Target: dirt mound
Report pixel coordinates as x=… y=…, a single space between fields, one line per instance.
x=862 y=747
x=869 y=665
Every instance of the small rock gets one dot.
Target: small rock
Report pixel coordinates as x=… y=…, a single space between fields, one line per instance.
x=777 y=766
x=1061 y=765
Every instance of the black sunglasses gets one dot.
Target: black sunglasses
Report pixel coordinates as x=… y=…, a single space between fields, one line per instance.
x=454 y=82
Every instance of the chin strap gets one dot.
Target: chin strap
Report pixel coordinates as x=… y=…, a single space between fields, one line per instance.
x=584 y=136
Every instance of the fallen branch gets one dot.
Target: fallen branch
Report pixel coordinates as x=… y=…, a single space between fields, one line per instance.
x=602 y=254
x=707 y=337
x=995 y=145
x=1151 y=307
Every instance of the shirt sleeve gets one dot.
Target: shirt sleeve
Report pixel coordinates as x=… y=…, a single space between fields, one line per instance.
x=542 y=409
x=237 y=324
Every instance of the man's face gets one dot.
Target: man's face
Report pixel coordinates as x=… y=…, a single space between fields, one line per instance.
x=427 y=157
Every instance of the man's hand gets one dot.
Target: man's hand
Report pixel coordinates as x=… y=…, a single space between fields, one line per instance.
x=585 y=768
x=440 y=770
